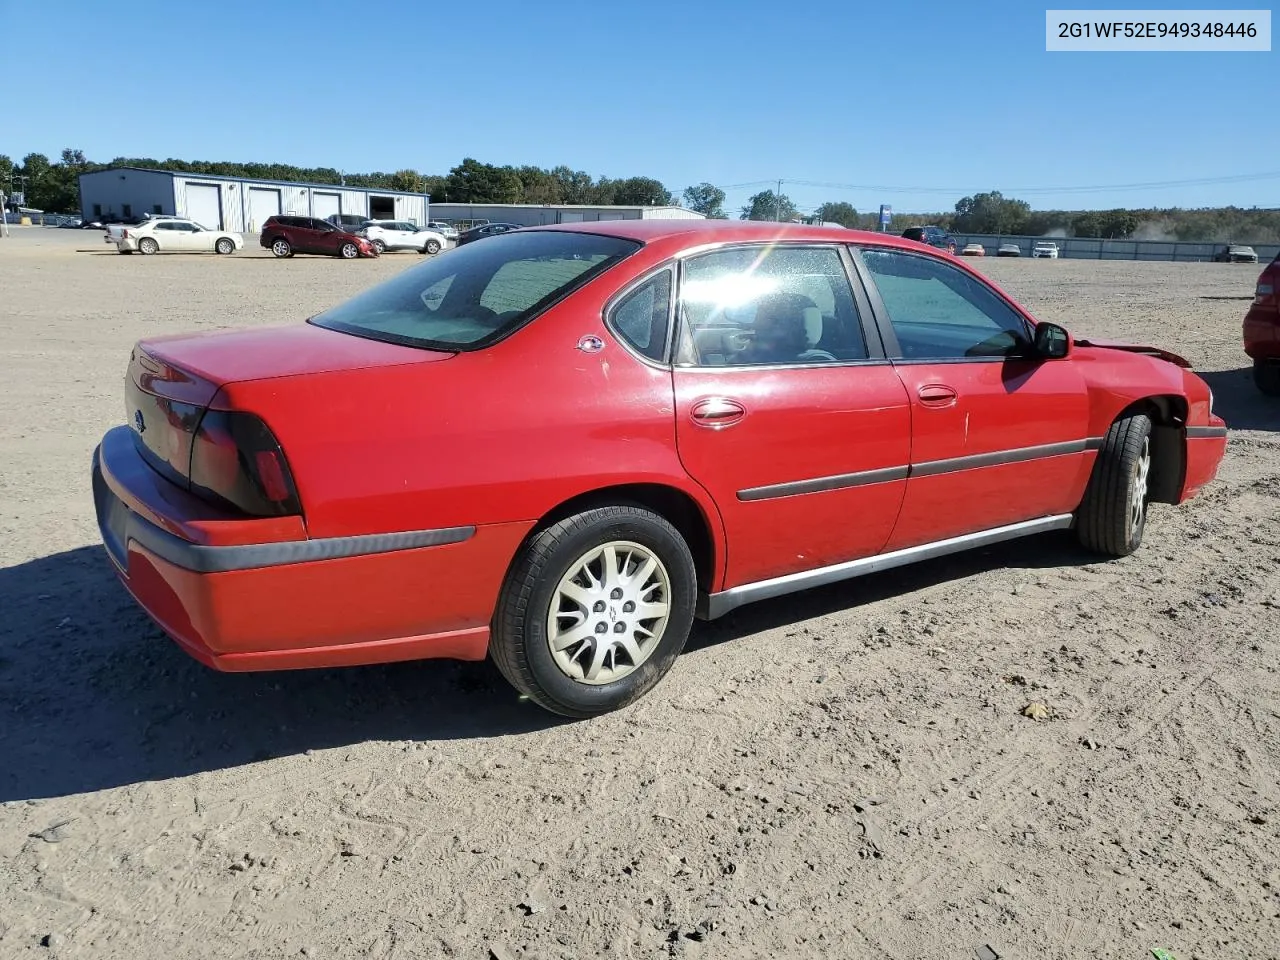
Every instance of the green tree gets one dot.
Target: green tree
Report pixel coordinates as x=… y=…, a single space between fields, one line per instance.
x=838 y=212
x=409 y=181
x=538 y=185
x=990 y=213
x=474 y=182
x=575 y=185
x=707 y=200
x=641 y=192
x=1087 y=224
x=767 y=205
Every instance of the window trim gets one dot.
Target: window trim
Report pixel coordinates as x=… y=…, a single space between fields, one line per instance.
x=871 y=337
x=611 y=305
x=893 y=350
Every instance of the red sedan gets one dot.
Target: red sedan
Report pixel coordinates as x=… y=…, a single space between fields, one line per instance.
x=559 y=446
x=1262 y=330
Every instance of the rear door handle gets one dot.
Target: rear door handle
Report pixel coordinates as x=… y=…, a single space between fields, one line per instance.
x=717 y=412
x=936 y=395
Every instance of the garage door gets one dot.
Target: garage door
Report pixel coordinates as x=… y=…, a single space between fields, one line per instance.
x=262 y=204
x=325 y=205
x=204 y=205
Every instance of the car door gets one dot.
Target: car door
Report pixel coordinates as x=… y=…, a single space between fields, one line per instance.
x=326 y=237
x=193 y=238
x=787 y=412
x=998 y=435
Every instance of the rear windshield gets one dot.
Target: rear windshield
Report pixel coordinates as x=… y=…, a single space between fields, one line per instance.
x=477 y=294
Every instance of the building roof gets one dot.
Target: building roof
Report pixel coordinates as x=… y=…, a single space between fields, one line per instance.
x=713 y=231
x=384 y=191
x=563 y=206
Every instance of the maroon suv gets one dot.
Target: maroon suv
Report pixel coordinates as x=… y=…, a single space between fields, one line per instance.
x=285 y=236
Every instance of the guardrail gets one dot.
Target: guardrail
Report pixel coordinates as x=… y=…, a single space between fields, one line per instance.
x=1082 y=248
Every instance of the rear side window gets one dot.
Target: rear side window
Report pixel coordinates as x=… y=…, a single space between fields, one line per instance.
x=480 y=292
x=642 y=317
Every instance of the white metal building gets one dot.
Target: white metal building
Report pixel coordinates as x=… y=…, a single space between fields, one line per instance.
x=238 y=204
x=534 y=215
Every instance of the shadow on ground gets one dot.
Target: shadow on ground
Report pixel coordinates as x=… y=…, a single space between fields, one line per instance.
x=1237 y=400
x=94 y=696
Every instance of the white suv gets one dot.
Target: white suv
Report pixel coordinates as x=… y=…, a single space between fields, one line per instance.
x=1045 y=248
x=402 y=235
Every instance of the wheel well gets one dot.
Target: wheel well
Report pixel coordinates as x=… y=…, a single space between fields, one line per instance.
x=675 y=506
x=1168 y=448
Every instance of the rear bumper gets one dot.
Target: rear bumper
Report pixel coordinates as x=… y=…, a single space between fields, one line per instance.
x=1262 y=333
x=1206 y=447
x=301 y=603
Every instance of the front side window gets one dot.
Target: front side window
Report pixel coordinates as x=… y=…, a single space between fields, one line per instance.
x=478 y=293
x=641 y=317
x=753 y=305
x=939 y=311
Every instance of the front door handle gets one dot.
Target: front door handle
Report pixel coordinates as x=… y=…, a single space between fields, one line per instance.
x=936 y=395
x=717 y=412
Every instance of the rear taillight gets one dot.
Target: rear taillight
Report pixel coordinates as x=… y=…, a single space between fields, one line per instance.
x=236 y=459
x=124 y=234
x=1264 y=292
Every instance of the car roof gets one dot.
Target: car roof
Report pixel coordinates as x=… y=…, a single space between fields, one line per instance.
x=696 y=232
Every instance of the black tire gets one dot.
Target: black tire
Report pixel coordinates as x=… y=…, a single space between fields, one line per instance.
x=1266 y=375
x=147 y=246
x=1113 y=513
x=281 y=247
x=520 y=645
x=224 y=246
x=381 y=247
x=432 y=247
x=348 y=251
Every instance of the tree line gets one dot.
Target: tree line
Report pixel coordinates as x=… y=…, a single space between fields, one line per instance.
x=53 y=186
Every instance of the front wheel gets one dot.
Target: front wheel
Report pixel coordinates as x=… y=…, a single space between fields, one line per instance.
x=1113 y=513
x=1266 y=375
x=224 y=246
x=148 y=246
x=595 y=611
x=348 y=251
x=432 y=247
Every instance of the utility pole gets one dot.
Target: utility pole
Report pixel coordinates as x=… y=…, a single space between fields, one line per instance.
x=777 y=204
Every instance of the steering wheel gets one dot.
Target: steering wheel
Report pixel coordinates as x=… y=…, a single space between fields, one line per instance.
x=817 y=355
x=998 y=345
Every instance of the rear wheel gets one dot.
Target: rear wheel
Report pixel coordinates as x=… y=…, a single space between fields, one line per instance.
x=1113 y=513
x=224 y=246
x=148 y=246
x=1266 y=374
x=595 y=611
x=348 y=251
x=382 y=247
x=432 y=247
x=282 y=248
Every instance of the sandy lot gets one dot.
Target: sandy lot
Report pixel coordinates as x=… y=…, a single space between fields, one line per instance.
x=843 y=773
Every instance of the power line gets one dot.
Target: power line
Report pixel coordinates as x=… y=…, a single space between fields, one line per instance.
x=1097 y=188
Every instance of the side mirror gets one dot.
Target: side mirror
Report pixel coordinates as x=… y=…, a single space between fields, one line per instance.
x=1052 y=342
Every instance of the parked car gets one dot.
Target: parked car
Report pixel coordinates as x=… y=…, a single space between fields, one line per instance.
x=1008 y=250
x=402 y=235
x=1045 y=248
x=1262 y=330
x=284 y=236
x=71 y=223
x=173 y=235
x=350 y=222
x=933 y=236
x=973 y=250
x=446 y=230
x=485 y=230
x=116 y=226
x=1236 y=253
x=393 y=479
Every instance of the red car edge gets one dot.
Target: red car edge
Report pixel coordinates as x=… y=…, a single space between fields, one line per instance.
x=1262 y=330
x=559 y=446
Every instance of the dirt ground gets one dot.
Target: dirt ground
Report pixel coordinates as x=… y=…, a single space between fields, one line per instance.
x=842 y=773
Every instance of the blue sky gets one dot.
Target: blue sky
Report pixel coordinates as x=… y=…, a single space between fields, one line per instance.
x=918 y=103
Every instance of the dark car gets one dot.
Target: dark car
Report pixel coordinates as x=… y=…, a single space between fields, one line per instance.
x=485 y=230
x=285 y=236
x=350 y=222
x=933 y=236
x=1236 y=253
x=1262 y=330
